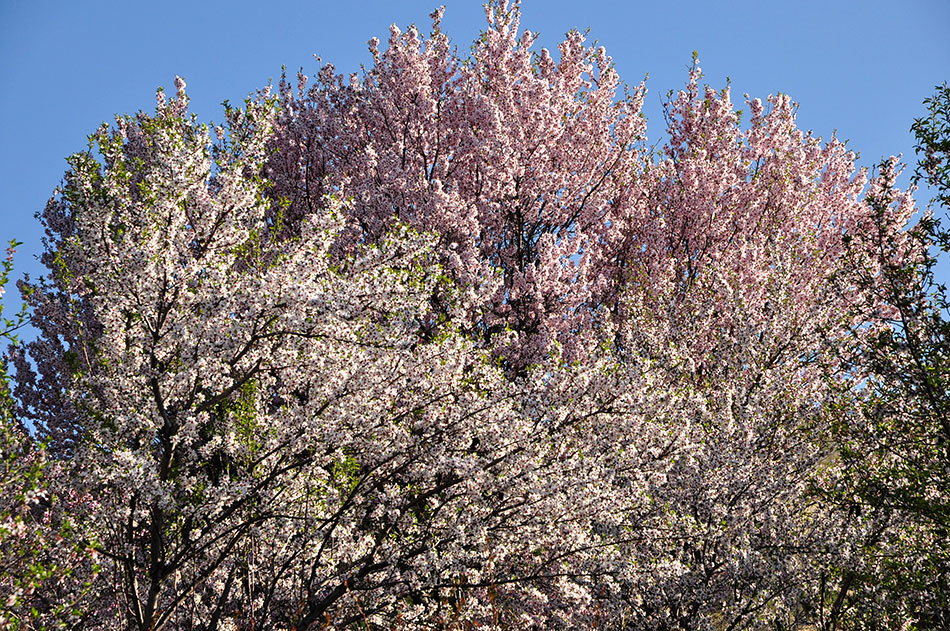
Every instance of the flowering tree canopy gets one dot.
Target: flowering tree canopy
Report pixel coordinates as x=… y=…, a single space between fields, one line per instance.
x=447 y=346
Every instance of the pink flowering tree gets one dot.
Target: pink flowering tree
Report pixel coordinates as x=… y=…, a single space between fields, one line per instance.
x=514 y=160
x=730 y=282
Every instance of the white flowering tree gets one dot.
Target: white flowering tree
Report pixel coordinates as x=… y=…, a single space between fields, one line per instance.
x=260 y=434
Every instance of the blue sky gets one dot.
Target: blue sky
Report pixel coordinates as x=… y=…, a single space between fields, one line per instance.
x=861 y=68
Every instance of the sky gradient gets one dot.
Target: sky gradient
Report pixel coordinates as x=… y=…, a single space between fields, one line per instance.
x=65 y=67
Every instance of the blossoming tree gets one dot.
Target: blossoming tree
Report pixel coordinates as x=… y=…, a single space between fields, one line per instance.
x=279 y=453
x=445 y=345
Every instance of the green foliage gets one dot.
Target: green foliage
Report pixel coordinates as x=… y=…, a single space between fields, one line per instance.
x=895 y=478
x=933 y=144
x=346 y=474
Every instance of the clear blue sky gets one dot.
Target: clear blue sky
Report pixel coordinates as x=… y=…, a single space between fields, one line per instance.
x=861 y=68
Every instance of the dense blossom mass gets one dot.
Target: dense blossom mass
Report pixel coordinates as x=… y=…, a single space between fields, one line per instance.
x=446 y=345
